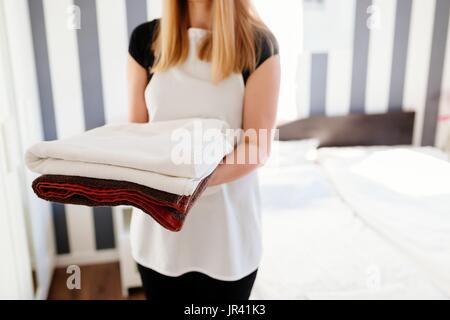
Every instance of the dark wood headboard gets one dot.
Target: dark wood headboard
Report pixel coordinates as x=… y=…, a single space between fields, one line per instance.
x=393 y=128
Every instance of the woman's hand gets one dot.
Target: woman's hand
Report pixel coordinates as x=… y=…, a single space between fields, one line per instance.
x=259 y=115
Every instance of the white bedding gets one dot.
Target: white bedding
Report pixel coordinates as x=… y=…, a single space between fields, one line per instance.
x=152 y=154
x=402 y=193
x=316 y=246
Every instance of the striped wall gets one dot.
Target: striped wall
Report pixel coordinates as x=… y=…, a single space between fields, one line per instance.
x=396 y=63
x=82 y=84
x=397 y=60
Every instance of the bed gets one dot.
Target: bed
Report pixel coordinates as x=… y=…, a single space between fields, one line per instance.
x=367 y=219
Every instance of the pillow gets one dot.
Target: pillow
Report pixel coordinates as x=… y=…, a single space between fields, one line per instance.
x=293 y=152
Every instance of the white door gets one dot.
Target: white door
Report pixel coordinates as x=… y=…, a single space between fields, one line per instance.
x=15 y=270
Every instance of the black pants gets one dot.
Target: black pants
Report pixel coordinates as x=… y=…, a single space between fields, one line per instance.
x=194 y=286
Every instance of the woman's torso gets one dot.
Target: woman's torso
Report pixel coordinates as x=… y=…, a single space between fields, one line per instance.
x=221 y=235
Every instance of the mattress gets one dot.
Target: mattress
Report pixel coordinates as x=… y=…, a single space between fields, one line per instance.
x=317 y=246
x=402 y=193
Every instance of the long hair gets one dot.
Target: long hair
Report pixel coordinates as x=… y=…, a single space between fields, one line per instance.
x=230 y=47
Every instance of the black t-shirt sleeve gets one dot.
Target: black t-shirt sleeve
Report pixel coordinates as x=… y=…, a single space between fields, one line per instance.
x=266 y=47
x=140 y=46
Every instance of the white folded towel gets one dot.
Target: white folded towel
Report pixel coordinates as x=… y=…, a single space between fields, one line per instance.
x=172 y=156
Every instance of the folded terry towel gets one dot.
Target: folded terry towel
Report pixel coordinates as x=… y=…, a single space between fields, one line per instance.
x=159 y=167
x=138 y=153
x=167 y=209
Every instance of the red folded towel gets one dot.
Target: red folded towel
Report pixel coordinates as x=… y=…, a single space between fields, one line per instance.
x=167 y=209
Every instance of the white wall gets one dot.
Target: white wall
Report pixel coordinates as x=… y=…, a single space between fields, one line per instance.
x=27 y=100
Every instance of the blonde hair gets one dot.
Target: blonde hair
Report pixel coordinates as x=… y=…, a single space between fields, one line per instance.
x=230 y=47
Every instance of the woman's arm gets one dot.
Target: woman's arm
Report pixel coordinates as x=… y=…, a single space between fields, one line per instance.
x=137 y=81
x=260 y=108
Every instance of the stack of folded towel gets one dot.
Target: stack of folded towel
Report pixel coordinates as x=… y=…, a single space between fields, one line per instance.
x=160 y=168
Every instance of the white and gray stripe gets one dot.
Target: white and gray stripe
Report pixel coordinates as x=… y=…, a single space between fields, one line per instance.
x=381 y=44
x=47 y=109
x=318 y=84
x=360 y=57
x=439 y=44
x=94 y=114
x=136 y=14
x=400 y=52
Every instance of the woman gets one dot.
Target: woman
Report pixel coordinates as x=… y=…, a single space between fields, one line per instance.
x=213 y=59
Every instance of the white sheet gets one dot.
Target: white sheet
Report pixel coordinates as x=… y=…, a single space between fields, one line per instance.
x=316 y=246
x=172 y=156
x=402 y=193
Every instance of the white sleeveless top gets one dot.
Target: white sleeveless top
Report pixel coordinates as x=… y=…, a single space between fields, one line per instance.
x=221 y=236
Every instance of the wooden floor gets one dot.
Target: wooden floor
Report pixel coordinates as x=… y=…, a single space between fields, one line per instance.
x=98 y=282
